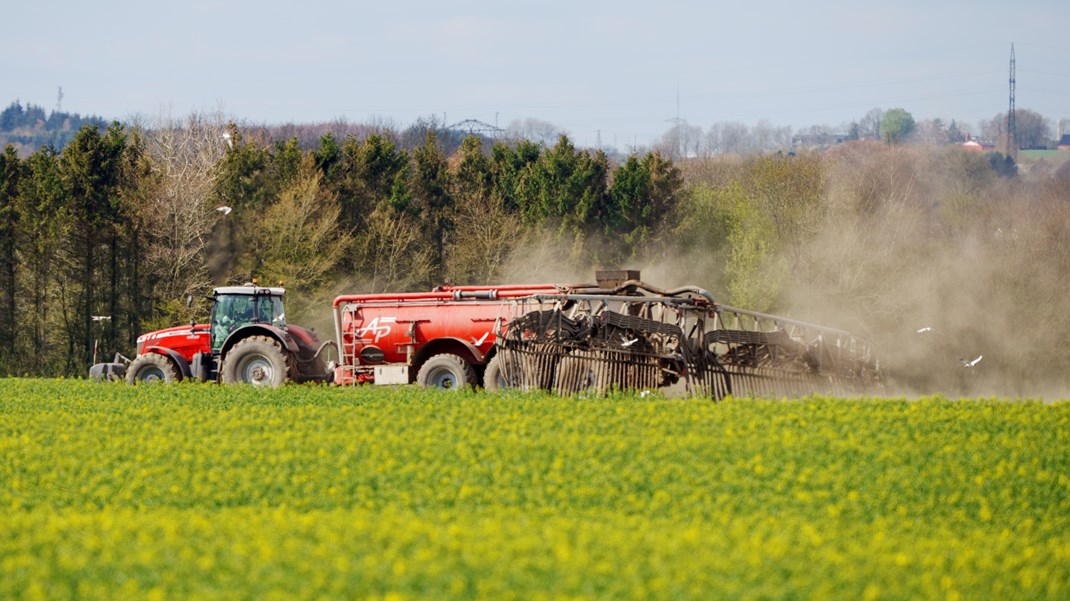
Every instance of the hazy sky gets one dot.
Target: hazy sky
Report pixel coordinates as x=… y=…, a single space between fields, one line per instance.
x=621 y=70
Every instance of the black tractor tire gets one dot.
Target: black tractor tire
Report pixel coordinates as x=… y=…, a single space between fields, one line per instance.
x=257 y=360
x=446 y=371
x=152 y=368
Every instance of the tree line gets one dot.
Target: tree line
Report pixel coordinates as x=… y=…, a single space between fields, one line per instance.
x=28 y=127
x=894 y=125
x=108 y=237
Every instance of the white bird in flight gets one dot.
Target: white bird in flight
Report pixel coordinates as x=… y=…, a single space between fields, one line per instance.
x=224 y=210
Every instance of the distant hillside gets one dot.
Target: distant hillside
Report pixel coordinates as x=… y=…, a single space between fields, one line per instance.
x=28 y=128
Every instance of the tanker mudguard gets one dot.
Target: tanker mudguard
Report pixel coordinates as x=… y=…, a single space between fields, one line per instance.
x=254 y=329
x=449 y=345
x=175 y=356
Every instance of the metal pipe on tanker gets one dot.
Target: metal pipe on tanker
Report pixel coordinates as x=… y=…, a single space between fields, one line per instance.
x=475 y=294
x=506 y=292
x=514 y=287
x=396 y=296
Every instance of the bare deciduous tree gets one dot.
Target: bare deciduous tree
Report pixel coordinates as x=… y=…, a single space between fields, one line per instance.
x=178 y=217
x=484 y=236
x=534 y=130
x=391 y=249
x=299 y=237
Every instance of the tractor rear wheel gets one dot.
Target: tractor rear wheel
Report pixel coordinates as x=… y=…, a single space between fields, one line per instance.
x=446 y=371
x=257 y=360
x=151 y=368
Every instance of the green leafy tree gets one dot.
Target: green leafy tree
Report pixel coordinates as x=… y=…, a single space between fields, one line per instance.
x=242 y=177
x=366 y=175
x=243 y=182
x=567 y=188
x=511 y=166
x=300 y=241
x=725 y=229
x=328 y=156
x=92 y=172
x=285 y=165
x=44 y=228
x=641 y=201
x=11 y=170
x=1003 y=166
x=430 y=188
x=485 y=229
x=896 y=126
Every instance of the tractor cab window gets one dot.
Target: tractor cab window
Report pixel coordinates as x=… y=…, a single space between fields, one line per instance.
x=270 y=310
x=230 y=312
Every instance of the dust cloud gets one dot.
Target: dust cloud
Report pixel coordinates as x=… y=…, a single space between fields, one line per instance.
x=959 y=279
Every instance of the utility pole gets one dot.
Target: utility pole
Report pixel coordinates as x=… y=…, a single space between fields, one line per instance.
x=1011 y=149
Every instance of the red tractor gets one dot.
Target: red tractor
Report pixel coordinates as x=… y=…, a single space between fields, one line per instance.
x=247 y=340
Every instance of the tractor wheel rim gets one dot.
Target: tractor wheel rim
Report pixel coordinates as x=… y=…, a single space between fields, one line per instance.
x=443 y=378
x=150 y=375
x=257 y=371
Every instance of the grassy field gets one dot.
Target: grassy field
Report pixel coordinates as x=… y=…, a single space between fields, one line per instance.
x=207 y=492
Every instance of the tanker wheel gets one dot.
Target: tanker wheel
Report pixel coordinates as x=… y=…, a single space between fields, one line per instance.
x=446 y=371
x=151 y=368
x=257 y=360
x=493 y=378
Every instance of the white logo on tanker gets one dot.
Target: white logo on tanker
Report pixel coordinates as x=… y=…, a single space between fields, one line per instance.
x=374 y=327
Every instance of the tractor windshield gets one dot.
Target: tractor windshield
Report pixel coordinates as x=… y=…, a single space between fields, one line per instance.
x=230 y=312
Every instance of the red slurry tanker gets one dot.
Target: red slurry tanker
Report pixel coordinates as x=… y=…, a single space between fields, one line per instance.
x=617 y=333
x=440 y=338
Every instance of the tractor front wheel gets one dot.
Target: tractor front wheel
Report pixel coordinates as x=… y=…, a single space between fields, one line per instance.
x=257 y=360
x=151 y=368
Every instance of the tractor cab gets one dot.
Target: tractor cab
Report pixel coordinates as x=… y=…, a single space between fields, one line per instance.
x=236 y=306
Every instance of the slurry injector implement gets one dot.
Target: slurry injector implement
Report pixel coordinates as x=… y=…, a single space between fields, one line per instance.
x=631 y=335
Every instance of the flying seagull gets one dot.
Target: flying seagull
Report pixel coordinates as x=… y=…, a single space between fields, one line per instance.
x=966 y=363
x=224 y=210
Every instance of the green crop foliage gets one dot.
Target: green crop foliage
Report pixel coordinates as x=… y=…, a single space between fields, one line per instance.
x=210 y=492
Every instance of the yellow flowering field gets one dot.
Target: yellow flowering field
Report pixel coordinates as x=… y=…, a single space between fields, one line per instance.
x=209 y=492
